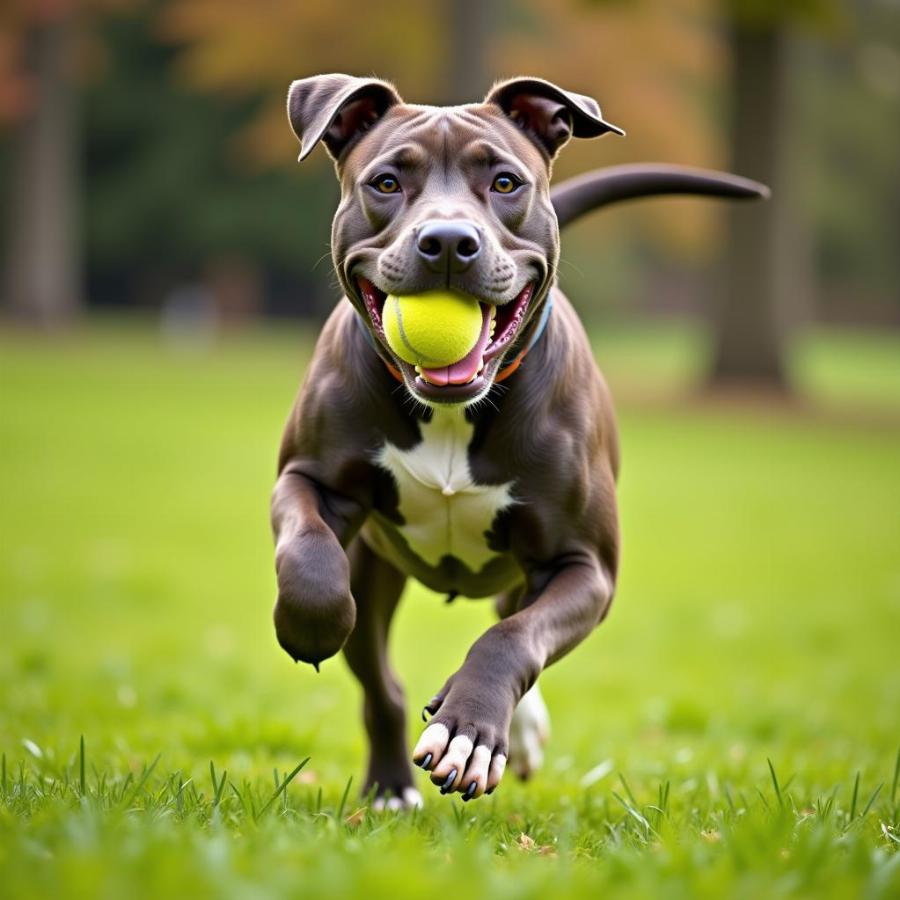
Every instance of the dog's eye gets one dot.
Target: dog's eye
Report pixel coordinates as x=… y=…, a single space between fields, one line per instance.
x=505 y=183
x=385 y=184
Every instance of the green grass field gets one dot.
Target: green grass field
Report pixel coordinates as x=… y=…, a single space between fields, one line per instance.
x=731 y=730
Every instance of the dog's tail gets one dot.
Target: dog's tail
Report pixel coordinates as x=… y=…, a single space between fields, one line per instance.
x=577 y=196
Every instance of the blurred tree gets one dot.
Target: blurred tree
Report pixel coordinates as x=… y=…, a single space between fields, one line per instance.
x=46 y=49
x=42 y=277
x=450 y=52
x=755 y=309
x=236 y=49
x=175 y=196
x=181 y=143
x=467 y=25
x=849 y=126
x=655 y=67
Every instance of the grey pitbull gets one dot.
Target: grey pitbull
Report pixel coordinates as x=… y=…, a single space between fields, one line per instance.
x=495 y=478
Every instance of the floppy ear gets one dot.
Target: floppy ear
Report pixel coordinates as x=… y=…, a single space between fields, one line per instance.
x=548 y=114
x=336 y=109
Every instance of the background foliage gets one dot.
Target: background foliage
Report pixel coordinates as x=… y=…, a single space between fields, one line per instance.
x=185 y=168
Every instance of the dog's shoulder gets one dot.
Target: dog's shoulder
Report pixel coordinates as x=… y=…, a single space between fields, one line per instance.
x=346 y=403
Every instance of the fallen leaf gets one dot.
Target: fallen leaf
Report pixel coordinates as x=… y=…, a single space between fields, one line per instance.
x=356 y=818
x=525 y=842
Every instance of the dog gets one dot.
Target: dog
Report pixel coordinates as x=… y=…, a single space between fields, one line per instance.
x=494 y=479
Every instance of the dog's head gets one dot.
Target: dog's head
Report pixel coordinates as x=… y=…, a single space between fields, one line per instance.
x=445 y=197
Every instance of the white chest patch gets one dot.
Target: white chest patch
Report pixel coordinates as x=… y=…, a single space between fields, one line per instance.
x=445 y=512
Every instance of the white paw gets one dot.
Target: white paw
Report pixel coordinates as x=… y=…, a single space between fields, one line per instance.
x=411 y=799
x=461 y=765
x=528 y=732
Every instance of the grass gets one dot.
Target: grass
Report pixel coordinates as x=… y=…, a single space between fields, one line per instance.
x=731 y=730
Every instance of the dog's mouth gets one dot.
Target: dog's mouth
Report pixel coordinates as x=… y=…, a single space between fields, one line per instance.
x=470 y=376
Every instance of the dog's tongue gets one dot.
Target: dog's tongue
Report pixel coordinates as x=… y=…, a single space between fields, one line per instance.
x=463 y=371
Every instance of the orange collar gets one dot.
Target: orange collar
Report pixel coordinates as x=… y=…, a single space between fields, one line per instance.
x=507 y=370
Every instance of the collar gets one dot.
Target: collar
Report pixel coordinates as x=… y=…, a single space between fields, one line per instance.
x=504 y=373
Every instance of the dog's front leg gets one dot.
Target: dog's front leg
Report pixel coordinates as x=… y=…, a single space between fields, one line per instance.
x=315 y=613
x=465 y=744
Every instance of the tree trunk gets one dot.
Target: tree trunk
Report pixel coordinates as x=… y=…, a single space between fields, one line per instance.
x=43 y=277
x=752 y=315
x=467 y=25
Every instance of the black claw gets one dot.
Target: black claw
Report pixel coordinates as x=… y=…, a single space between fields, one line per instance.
x=425 y=709
x=490 y=791
x=425 y=762
x=470 y=790
x=316 y=666
x=445 y=787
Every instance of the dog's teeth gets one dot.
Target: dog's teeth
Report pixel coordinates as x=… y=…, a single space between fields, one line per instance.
x=418 y=370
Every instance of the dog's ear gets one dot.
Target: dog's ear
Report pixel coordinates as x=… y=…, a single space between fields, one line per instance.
x=548 y=114
x=336 y=109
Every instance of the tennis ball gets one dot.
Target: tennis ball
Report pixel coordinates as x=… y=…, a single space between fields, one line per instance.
x=434 y=329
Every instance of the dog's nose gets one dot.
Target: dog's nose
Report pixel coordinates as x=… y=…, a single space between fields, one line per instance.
x=448 y=244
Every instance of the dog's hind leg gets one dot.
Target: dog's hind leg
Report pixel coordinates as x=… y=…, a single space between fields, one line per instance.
x=530 y=725
x=377 y=586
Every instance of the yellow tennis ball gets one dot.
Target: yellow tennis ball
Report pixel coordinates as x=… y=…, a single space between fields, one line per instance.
x=434 y=329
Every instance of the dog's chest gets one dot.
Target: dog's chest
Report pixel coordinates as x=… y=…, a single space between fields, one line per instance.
x=445 y=512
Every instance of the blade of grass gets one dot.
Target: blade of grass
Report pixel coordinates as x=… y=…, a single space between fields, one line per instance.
x=825 y=809
x=872 y=799
x=125 y=785
x=239 y=796
x=343 y=803
x=634 y=814
x=729 y=798
x=775 y=783
x=893 y=783
x=855 y=797
x=81 y=766
x=179 y=794
x=283 y=786
x=148 y=771
x=628 y=793
x=371 y=794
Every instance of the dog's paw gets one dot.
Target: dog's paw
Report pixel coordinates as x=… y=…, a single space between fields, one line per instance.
x=389 y=781
x=315 y=612
x=528 y=732
x=457 y=762
x=404 y=799
x=464 y=748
